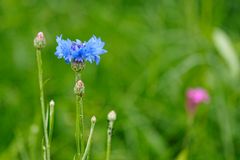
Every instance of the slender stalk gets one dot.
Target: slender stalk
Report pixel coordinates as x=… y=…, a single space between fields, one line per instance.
x=87 y=149
x=77 y=76
x=79 y=121
x=109 y=139
x=40 y=79
x=47 y=116
x=44 y=153
x=79 y=125
x=82 y=125
x=77 y=133
x=112 y=116
x=51 y=120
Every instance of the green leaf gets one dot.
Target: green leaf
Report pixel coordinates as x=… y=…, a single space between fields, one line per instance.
x=182 y=155
x=225 y=48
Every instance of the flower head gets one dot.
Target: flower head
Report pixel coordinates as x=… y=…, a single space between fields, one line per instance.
x=39 y=41
x=77 y=51
x=196 y=96
x=112 y=116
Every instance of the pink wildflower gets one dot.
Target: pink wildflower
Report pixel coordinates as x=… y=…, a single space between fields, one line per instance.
x=195 y=96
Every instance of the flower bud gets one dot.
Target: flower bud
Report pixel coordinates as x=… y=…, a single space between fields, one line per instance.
x=112 y=116
x=52 y=103
x=93 y=119
x=77 y=66
x=40 y=41
x=51 y=119
x=79 y=88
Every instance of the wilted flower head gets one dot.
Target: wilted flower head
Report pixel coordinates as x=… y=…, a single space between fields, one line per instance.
x=196 y=96
x=77 y=51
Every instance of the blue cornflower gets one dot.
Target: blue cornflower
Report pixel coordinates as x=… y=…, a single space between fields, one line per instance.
x=90 y=51
x=76 y=51
x=63 y=49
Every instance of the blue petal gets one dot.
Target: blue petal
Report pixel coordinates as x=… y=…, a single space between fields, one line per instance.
x=63 y=50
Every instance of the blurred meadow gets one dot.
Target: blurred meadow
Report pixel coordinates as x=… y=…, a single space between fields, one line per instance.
x=157 y=49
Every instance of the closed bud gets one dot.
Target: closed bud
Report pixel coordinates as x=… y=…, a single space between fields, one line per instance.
x=112 y=116
x=79 y=88
x=52 y=103
x=93 y=119
x=40 y=41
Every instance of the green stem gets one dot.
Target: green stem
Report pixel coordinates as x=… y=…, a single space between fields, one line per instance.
x=44 y=153
x=109 y=138
x=87 y=149
x=40 y=79
x=82 y=125
x=51 y=122
x=79 y=122
x=77 y=76
x=77 y=134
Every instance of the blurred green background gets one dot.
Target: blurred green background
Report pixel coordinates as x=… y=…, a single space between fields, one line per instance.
x=156 y=50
